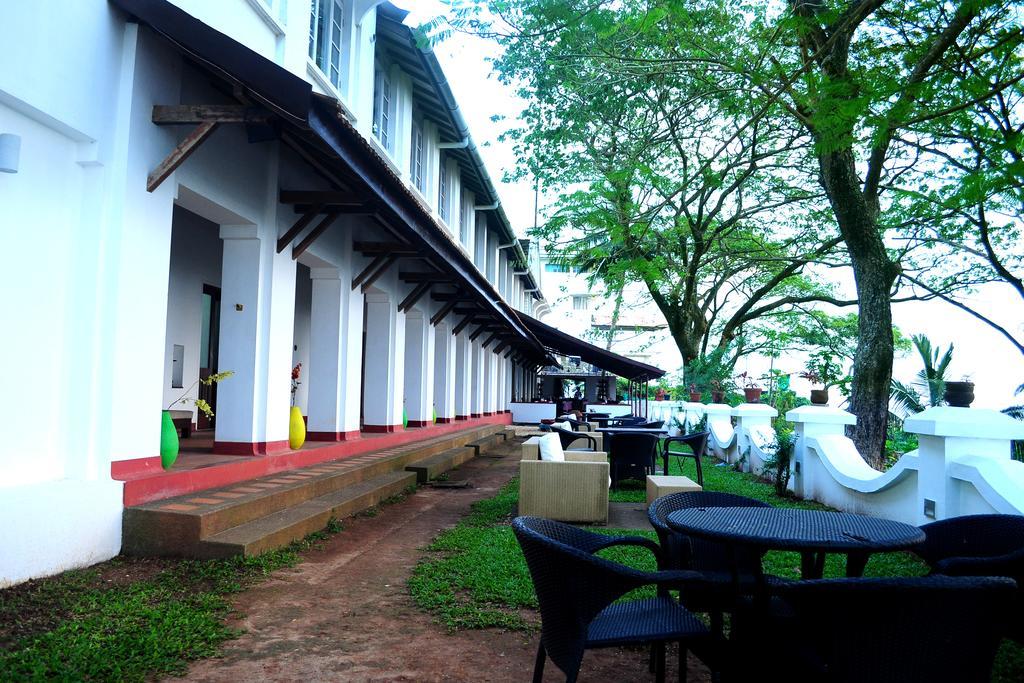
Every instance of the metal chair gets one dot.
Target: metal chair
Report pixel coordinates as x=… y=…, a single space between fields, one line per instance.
x=979 y=545
x=892 y=630
x=697 y=442
x=632 y=456
x=566 y=437
x=577 y=593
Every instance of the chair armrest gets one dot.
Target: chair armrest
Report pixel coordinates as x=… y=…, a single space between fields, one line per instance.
x=631 y=540
x=586 y=456
x=1010 y=564
x=580 y=435
x=531 y=448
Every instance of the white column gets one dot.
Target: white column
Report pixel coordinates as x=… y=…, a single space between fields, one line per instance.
x=490 y=381
x=753 y=424
x=444 y=373
x=237 y=397
x=811 y=422
x=476 y=389
x=385 y=359
x=419 y=369
x=463 y=376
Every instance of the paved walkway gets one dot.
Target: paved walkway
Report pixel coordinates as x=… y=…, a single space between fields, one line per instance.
x=344 y=614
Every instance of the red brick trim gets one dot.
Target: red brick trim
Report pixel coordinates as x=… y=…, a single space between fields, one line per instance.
x=246 y=448
x=476 y=415
x=417 y=424
x=445 y=420
x=488 y=413
x=332 y=436
x=462 y=417
x=381 y=429
x=130 y=469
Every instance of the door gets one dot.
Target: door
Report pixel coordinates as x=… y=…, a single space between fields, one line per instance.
x=209 y=343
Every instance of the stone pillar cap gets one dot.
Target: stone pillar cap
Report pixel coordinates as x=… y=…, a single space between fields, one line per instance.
x=979 y=423
x=821 y=415
x=718 y=409
x=754 y=410
x=692 y=405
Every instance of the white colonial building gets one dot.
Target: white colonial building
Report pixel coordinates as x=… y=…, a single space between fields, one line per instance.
x=241 y=185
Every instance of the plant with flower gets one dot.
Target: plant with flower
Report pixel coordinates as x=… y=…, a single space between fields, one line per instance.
x=296 y=372
x=199 y=403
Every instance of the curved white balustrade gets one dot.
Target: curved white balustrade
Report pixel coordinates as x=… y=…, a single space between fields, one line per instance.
x=999 y=484
x=842 y=460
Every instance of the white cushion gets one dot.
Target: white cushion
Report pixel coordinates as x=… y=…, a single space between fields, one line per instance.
x=564 y=426
x=551 y=448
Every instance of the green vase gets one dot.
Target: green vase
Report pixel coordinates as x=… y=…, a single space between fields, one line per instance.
x=168 y=441
x=405 y=419
x=434 y=411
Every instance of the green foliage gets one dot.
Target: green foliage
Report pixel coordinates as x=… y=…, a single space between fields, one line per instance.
x=930 y=385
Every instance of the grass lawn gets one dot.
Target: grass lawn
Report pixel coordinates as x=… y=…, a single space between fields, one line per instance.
x=474 y=575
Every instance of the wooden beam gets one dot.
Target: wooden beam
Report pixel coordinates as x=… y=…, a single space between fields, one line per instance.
x=331 y=175
x=293 y=232
x=313 y=235
x=329 y=197
x=178 y=114
x=451 y=296
x=462 y=325
x=415 y=295
x=476 y=333
x=380 y=271
x=424 y=277
x=364 y=209
x=374 y=264
x=179 y=154
x=383 y=248
x=500 y=347
x=445 y=310
x=487 y=343
x=510 y=352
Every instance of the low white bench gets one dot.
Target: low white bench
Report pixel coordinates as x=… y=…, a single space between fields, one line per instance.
x=659 y=485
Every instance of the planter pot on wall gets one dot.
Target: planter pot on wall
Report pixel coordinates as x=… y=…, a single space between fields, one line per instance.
x=168 y=441
x=296 y=429
x=717 y=396
x=959 y=394
x=752 y=395
x=819 y=397
x=695 y=396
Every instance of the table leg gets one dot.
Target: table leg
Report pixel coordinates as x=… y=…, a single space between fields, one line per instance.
x=855 y=563
x=812 y=565
x=664 y=456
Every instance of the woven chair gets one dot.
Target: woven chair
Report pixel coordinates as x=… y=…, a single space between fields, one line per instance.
x=627 y=421
x=979 y=545
x=655 y=424
x=577 y=425
x=576 y=592
x=718 y=562
x=893 y=630
x=632 y=456
x=698 y=444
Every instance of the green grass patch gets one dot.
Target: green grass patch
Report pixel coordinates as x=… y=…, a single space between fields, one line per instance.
x=474 y=575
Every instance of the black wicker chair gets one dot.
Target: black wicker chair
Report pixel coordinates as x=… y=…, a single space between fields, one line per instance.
x=627 y=421
x=720 y=564
x=697 y=443
x=566 y=437
x=576 y=592
x=897 y=630
x=576 y=425
x=632 y=455
x=979 y=545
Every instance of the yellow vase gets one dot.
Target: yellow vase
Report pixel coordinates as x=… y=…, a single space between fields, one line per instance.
x=296 y=430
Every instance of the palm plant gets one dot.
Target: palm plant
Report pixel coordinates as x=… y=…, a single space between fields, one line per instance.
x=930 y=385
x=1017 y=411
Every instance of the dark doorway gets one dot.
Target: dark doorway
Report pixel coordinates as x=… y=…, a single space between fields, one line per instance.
x=209 y=343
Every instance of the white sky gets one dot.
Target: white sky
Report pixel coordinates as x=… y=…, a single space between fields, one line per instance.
x=981 y=353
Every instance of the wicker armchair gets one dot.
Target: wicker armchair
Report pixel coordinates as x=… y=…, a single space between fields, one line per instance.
x=574 y=490
x=934 y=628
x=576 y=592
x=979 y=545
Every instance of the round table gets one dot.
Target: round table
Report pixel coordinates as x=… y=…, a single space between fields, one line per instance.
x=812 y=533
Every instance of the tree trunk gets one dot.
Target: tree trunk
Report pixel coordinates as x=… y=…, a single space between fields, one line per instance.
x=874 y=273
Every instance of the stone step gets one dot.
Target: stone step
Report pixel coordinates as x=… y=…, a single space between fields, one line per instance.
x=430 y=468
x=282 y=527
x=175 y=526
x=488 y=442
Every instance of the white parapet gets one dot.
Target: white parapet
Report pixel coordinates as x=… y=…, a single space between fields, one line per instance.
x=722 y=434
x=755 y=437
x=812 y=421
x=965 y=463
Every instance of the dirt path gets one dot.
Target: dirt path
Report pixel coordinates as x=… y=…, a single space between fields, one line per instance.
x=344 y=614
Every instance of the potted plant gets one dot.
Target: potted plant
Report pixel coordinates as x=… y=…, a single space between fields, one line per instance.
x=717 y=391
x=822 y=372
x=751 y=390
x=959 y=394
x=296 y=425
x=819 y=397
x=169 y=443
x=695 y=394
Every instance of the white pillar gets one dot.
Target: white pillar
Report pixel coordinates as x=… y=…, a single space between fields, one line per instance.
x=811 y=422
x=490 y=404
x=962 y=451
x=476 y=389
x=444 y=373
x=237 y=430
x=463 y=376
x=722 y=440
x=751 y=417
x=419 y=369
x=332 y=377
x=385 y=359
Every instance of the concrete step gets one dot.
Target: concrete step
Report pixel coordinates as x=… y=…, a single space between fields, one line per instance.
x=430 y=468
x=176 y=526
x=291 y=524
x=484 y=444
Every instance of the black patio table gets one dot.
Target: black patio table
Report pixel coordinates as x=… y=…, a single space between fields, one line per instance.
x=633 y=430
x=812 y=533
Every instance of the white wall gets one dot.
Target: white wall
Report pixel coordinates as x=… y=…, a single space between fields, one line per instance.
x=300 y=339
